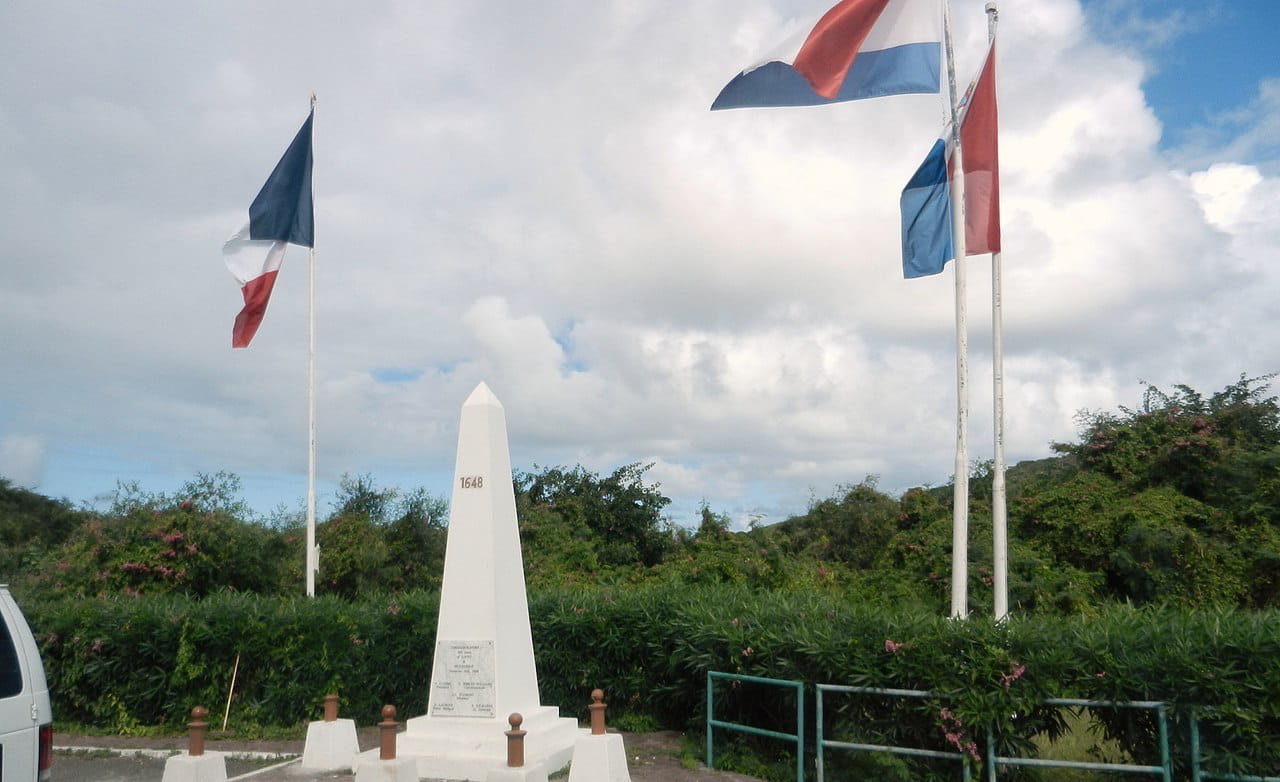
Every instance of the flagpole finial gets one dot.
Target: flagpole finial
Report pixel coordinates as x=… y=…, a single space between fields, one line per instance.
x=313 y=100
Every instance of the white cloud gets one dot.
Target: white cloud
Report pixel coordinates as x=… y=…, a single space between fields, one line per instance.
x=1224 y=191
x=22 y=459
x=542 y=200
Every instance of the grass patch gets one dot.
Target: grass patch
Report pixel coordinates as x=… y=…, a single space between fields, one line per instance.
x=1082 y=742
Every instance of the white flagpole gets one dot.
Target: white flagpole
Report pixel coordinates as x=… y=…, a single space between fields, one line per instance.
x=960 y=494
x=999 y=514
x=313 y=553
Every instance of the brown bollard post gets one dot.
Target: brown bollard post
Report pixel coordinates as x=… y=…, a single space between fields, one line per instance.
x=387 y=733
x=331 y=707
x=197 y=725
x=515 y=741
x=597 y=712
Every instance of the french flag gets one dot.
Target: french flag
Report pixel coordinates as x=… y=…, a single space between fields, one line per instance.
x=858 y=49
x=926 y=200
x=282 y=214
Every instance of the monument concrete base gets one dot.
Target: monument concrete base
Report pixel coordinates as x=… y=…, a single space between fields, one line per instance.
x=330 y=746
x=374 y=769
x=535 y=773
x=469 y=748
x=601 y=758
x=209 y=767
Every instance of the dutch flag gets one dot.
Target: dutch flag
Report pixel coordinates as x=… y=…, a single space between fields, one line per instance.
x=858 y=49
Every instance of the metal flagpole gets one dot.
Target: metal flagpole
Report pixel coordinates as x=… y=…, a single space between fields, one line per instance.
x=960 y=494
x=999 y=515
x=313 y=553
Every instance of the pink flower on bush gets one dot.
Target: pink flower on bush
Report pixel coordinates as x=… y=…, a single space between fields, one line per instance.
x=952 y=731
x=1013 y=675
x=748 y=652
x=891 y=647
x=62 y=565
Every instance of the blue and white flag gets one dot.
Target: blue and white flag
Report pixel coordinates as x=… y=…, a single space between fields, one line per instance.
x=926 y=214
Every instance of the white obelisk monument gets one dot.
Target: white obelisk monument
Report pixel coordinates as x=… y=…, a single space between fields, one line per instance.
x=483 y=667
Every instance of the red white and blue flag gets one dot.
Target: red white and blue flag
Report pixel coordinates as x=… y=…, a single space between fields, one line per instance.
x=926 y=200
x=858 y=49
x=281 y=214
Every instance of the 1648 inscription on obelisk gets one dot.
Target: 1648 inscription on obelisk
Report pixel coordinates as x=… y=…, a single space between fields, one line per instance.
x=483 y=667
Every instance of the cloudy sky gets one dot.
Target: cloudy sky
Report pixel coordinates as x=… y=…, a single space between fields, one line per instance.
x=536 y=195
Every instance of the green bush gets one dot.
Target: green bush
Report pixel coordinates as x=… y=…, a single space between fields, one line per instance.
x=126 y=663
x=121 y=663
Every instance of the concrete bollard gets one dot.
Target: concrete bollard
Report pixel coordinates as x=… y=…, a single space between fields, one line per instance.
x=196 y=728
x=515 y=741
x=331 y=742
x=387 y=768
x=195 y=765
x=387 y=733
x=597 y=712
x=599 y=756
x=516 y=770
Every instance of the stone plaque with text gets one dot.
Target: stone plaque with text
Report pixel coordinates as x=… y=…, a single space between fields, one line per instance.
x=464 y=685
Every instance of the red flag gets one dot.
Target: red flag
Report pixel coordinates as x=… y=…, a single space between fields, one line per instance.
x=979 y=132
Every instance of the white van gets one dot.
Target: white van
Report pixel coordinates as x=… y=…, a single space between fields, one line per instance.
x=26 y=720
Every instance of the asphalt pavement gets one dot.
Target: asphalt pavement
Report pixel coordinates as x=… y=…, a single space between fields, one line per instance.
x=662 y=756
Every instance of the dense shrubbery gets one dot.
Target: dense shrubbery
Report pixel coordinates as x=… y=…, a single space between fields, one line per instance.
x=122 y=663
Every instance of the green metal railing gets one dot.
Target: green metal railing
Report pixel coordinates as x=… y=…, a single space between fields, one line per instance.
x=1197 y=763
x=991 y=761
x=796 y=738
x=824 y=743
x=1164 y=770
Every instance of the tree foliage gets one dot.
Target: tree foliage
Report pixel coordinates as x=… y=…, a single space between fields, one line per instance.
x=1175 y=500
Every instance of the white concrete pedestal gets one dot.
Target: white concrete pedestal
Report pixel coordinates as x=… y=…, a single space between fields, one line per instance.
x=600 y=758
x=330 y=746
x=469 y=749
x=374 y=769
x=209 y=767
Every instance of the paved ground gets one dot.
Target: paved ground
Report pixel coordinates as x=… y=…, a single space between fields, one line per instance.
x=651 y=757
